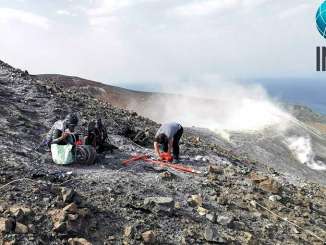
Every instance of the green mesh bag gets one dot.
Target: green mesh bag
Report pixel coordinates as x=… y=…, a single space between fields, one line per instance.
x=62 y=154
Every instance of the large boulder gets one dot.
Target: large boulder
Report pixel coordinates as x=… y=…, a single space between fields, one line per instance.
x=159 y=204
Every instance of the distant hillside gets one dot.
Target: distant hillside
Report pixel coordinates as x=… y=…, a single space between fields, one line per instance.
x=305 y=114
x=117 y=96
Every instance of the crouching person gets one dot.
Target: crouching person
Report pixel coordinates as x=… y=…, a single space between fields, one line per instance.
x=61 y=140
x=168 y=137
x=66 y=148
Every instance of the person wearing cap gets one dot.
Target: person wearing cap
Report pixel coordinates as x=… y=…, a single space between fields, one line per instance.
x=62 y=131
x=168 y=137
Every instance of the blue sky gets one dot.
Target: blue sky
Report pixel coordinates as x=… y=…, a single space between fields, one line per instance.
x=161 y=41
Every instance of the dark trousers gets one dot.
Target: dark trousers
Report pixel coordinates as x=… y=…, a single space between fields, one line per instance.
x=175 y=146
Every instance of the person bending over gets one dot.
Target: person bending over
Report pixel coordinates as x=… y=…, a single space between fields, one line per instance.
x=168 y=137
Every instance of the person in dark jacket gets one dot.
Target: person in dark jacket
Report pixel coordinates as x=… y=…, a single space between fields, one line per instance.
x=168 y=136
x=97 y=136
x=62 y=132
x=90 y=139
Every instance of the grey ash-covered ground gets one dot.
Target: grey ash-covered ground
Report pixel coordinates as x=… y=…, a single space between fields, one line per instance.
x=108 y=203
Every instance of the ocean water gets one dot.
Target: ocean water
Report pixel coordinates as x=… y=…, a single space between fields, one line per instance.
x=308 y=92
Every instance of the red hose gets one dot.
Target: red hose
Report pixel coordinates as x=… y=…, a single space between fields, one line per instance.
x=177 y=167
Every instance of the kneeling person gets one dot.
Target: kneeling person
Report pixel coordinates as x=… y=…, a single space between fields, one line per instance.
x=62 y=132
x=168 y=136
x=62 y=140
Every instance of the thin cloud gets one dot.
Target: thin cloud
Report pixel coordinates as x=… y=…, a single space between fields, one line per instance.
x=103 y=7
x=65 y=12
x=108 y=7
x=8 y=15
x=207 y=7
x=204 y=7
x=294 y=11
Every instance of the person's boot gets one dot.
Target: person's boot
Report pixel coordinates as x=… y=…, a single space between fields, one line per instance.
x=175 y=160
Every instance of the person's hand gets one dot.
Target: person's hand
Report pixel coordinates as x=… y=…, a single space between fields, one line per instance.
x=166 y=156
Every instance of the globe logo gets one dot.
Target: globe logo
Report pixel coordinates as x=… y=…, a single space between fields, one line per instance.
x=321 y=19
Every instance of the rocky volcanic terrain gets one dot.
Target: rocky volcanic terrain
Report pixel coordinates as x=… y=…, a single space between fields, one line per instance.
x=234 y=200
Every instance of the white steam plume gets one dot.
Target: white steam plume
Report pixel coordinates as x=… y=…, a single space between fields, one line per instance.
x=302 y=149
x=221 y=107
